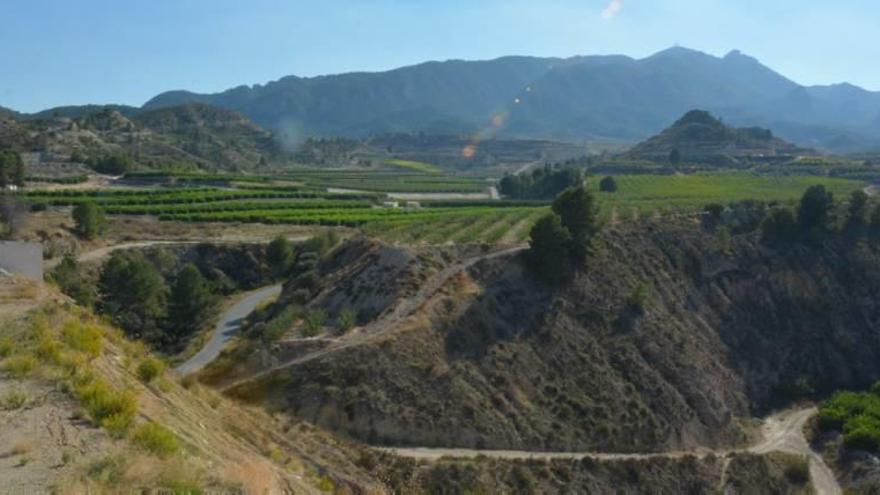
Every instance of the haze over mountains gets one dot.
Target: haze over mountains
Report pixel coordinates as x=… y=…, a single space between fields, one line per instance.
x=574 y=99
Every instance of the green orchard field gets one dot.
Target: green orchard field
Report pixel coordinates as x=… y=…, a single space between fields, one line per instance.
x=435 y=221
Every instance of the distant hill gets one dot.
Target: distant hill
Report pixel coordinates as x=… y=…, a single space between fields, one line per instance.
x=78 y=111
x=192 y=134
x=700 y=137
x=574 y=99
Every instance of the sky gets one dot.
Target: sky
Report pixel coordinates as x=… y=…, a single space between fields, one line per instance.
x=63 y=52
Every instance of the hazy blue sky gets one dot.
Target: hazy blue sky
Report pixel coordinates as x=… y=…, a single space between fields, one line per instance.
x=55 y=52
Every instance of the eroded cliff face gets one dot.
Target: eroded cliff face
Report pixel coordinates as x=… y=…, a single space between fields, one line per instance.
x=494 y=359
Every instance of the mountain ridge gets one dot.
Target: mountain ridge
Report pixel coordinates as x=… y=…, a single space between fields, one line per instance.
x=575 y=99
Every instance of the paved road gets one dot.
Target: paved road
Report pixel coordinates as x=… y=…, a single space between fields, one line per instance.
x=781 y=432
x=227 y=327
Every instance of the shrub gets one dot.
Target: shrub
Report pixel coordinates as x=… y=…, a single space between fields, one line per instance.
x=20 y=366
x=780 y=226
x=6 y=346
x=867 y=439
x=346 y=320
x=637 y=299
x=857 y=415
x=272 y=330
x=723 y=240
x=714 y=210
x=314 y=320
x=308 y=280
x=49 y=350
x=83 y=337
x=280 y=256
x=72 y=282
x=14 y=399
x=112 y=409
x=301 y=296
x=149 y=369
x=798 y=472
x=156 y=439
x=608 y=184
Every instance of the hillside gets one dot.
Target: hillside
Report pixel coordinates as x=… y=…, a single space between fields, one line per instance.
x=189 y=135
x=480 y=356
x=63 y=372
x=575 y=99
x=698 y=137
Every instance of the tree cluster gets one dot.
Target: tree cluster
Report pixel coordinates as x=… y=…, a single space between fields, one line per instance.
x=814 y=217
x=546 y=182
x=11 y=169
x=116 y=164
x=133 y=292
x=88 y=219
x=562 y=239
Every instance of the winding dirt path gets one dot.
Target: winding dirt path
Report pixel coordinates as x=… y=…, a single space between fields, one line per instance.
x=782 y=432
x=385 y=323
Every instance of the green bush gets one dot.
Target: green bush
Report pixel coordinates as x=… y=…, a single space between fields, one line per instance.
x=275 y=328
x=20 y=366
x=857 y=415
x=112 y=409
x=83 y=337
x=780 y=226
x=314 y=321
x=638 y=298
x=346 y=320
x=156 y=439
x=149 y=369
x=608 y=184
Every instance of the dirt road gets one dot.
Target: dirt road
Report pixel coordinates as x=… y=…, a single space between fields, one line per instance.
x=782 y=432
x=388 y=321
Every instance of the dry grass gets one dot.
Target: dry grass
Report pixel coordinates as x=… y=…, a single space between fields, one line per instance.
x=23 y=447
x=13 y=400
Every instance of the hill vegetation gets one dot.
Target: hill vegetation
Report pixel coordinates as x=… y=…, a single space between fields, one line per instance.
x=698 y=137
x=190 y=136
x=495 y=360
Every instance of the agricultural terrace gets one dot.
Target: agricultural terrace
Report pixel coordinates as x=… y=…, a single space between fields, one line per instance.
x=433 y=222
x=408 y=177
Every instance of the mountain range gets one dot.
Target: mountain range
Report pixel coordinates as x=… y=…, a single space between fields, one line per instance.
x=577 y=99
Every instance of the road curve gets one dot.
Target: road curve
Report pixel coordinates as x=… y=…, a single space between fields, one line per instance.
x=782 y=432
x=227 y=327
